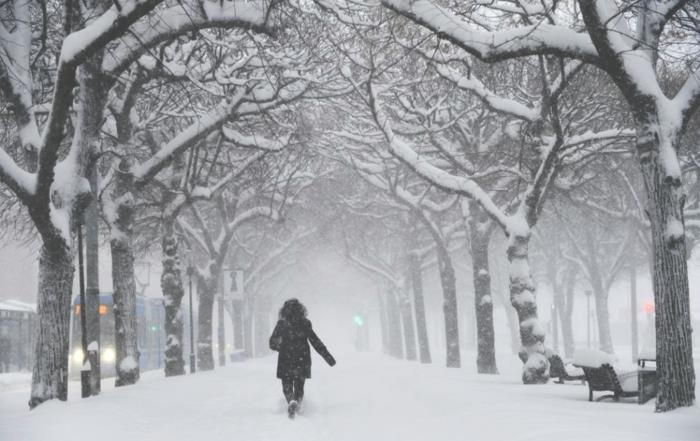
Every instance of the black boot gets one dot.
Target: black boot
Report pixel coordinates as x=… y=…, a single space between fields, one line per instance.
x=292 y=409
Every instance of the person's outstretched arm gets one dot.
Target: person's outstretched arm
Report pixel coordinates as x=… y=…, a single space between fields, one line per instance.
x=319 y=346
x=276 y=337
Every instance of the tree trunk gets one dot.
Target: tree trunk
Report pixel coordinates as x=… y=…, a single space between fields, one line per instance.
x=383 y=323
x=522 y=297
x=554 y=321
x=603 y=317
x=419 y=307
x=50 y=371
x=483 y=301
x=600 y=293
x=92 y=297
x=221 y=329
x=665 y=200
x=173 y=292
x=205 y=313
x=262 y=329
x=208 y=285
x=121 y=224
x=449 y=307
x=514 y=329
x=395 y=340
x=409 y=331
x=565 y=316
x=237 y=323
x=125 y=337
x=248 y=323
x=564 y=313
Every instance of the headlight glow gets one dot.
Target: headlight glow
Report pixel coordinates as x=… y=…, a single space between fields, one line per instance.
x=108 y=355
x=78 y=356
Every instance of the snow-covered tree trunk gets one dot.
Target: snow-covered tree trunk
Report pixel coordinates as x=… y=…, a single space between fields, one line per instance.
x=205 y=313
x=409 y=331
x=121 y=220
x=50 y=371
x=522 y=297
x=207 y=286
x=173 y=292
x=92 y=291
x=419 y=307
x=125 y=329
x=449 y=307
x=665 y=200
x=61 y=196
x=483 y=301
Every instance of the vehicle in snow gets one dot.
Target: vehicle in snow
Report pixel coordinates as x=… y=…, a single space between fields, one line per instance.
x=150 y=319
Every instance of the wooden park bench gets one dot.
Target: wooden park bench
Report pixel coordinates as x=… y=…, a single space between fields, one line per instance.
x=604 y=378
x=557 y=369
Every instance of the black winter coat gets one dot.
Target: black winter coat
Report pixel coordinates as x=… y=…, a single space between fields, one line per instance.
x=292 y=340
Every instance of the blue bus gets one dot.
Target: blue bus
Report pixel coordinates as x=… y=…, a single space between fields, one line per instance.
x=150 y=320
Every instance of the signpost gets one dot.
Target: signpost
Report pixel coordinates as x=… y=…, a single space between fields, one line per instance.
x=232 y=291
x=233 y=283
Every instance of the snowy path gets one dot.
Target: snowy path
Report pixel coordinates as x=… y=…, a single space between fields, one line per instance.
x=365 y=397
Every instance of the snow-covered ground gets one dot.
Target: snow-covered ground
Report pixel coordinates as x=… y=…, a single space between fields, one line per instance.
x=14 y=380
x=365 y=397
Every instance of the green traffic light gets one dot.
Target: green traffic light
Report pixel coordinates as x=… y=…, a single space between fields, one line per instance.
x=359 y=321
x=154 y=328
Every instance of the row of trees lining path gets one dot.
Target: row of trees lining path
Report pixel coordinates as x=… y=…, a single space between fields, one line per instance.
x=629 y=56
x=191 y=122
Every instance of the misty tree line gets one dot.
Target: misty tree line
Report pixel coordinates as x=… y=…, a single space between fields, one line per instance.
x=407 y=133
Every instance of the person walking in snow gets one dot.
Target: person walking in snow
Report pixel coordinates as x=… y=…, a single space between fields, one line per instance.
x=291 y=339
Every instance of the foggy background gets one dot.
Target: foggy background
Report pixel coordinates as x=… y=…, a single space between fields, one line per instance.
x=334 y=291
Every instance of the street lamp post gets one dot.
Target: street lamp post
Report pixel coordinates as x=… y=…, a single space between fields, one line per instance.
x=84 y=371
x=190 y=272
x=588 y=318
x=633 y=309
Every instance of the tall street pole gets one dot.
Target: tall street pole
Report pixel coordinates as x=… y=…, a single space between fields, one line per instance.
x=633 y=317
x=84 y=369
x=193 y=367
